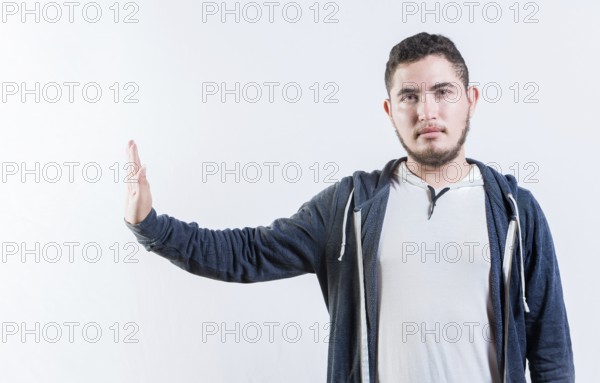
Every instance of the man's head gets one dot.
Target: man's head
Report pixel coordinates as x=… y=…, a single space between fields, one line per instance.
x=427 y=84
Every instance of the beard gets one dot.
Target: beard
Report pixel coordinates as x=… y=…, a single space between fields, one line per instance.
x=435 y=158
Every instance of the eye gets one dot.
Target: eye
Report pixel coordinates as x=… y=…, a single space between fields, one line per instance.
x=443 y=92
x=409 y=98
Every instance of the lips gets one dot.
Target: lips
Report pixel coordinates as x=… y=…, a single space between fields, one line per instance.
x=430 y=129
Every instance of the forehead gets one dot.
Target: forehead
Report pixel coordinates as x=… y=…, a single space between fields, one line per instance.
x=430 y=70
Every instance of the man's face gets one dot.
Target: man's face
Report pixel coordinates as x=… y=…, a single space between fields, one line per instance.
x=428 y=95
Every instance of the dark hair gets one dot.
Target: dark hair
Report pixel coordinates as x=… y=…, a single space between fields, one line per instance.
x=423 y=44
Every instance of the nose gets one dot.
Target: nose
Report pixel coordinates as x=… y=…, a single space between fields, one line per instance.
x=428 y=107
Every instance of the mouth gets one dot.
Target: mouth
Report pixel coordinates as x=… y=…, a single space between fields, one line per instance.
x=430 y=132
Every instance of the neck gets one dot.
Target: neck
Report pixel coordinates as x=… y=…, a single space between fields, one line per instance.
x=440 y=176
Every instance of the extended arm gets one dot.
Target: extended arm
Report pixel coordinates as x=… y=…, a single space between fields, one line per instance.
x=286 y=248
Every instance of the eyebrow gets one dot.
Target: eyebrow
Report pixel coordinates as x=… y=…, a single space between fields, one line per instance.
x=412 y=89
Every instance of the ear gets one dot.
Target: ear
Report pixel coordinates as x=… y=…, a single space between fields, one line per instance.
x=387 y=107
x=472 y=98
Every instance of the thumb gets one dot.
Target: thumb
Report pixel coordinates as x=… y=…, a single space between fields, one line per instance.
x=142 y=175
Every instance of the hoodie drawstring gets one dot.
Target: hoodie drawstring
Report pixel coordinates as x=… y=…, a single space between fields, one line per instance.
x=507 y=268
x=513 y=227
x=364 y=338
x=520 y=252
x=344 y=225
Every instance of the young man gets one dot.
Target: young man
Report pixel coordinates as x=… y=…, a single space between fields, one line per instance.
x=435 y=269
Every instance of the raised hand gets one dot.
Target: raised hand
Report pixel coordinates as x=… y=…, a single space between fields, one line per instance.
x=139 y=199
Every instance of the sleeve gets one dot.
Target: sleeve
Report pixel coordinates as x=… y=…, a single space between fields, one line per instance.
x=286 y=248
x=549 y=349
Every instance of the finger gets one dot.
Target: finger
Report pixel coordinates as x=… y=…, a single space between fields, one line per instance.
x=131 y=170
x=128 y=153
x=132 y=180
x=140 y=176
x=133 y=158
x=136 y=179
x=136 y=157
x=143 y=179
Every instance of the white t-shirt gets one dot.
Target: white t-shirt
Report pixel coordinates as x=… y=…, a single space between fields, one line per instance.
x=435 y=312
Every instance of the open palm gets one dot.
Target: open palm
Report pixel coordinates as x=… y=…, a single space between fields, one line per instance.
x=139 y=199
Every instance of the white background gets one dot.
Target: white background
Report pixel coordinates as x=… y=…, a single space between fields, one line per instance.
x=169 y=53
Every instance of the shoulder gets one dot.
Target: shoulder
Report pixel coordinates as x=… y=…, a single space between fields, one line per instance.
x=533 y=221
x=369 y=181
x=363 y=183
